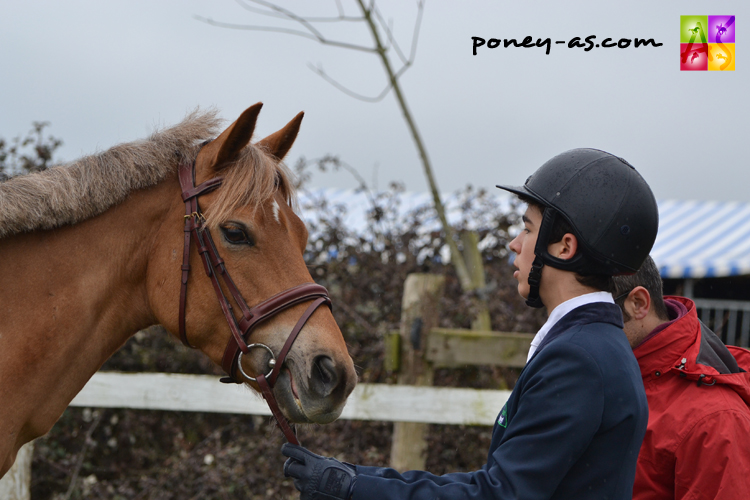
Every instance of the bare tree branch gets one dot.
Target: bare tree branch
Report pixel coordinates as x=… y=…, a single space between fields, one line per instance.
x=287 y=31
x=389 y=45
x=456 y=258
x=319 y=70
x=415 y=35
x=279 y=15
x=292 y=16
x=391 y=39
x=406 y=63
x=372 y=16
x=340 y=7
x=338 y=163
x=314 y=34
x=260 y=11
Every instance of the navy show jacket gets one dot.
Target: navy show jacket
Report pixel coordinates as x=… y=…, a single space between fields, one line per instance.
x=571 y=428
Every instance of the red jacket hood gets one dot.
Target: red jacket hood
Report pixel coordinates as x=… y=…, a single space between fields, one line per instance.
x=696 y=353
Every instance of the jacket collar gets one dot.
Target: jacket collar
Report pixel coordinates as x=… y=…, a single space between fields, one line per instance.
x=561 y=310
x=664 y=350
x=687 y=346
x=596 y=312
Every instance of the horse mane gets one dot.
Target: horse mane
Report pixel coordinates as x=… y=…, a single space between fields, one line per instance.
x=71 y=193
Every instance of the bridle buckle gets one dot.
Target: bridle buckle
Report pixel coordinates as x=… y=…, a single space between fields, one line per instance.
x=196 y=216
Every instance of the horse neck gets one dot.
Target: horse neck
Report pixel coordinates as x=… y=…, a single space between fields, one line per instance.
x=70 y=298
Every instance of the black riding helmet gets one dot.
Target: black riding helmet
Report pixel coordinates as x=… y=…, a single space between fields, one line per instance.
x=609 y=206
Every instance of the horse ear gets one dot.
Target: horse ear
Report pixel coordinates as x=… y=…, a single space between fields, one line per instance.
x=279 y=143
x=236 y=136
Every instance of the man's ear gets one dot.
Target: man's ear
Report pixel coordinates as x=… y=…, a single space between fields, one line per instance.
x=566 y=248
x=638 y=303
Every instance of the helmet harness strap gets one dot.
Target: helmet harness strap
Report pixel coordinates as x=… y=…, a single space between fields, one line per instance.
x=540 y=251
x=535 y=278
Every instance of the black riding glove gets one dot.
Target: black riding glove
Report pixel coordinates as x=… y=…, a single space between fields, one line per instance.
x=316 y=477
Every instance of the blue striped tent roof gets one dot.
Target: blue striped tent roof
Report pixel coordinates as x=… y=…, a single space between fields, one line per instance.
x=703 y=239
x=696 y=239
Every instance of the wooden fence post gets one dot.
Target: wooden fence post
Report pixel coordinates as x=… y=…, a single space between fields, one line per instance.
x=16 y=484
x=475 y=266
x=419 y=314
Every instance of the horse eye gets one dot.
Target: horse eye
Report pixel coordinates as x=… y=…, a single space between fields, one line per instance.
x=236 y=235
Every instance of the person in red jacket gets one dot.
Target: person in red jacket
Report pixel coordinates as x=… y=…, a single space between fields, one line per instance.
x=697 y=443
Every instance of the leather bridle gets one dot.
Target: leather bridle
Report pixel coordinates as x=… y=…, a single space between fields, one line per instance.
x=250 y=317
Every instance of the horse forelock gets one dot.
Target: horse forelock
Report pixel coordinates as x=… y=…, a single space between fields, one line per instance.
x=71 y=193
x=250 y=181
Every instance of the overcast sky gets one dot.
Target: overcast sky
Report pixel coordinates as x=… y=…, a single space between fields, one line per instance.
x=106 y=72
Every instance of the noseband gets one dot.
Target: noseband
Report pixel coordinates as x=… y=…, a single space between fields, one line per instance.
x=241 y=329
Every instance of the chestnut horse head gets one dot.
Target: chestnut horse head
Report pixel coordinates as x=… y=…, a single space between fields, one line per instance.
x=92 y=252
x=252 y=228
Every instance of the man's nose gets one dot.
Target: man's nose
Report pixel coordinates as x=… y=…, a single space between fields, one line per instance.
x=513 y=246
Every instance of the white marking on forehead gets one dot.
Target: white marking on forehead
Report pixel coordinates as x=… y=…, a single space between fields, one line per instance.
x=276 y=211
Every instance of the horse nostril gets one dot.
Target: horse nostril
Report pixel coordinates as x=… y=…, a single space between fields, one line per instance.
x=325 y=376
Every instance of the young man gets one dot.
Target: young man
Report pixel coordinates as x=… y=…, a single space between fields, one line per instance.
x=574 y=422
x=697 y=443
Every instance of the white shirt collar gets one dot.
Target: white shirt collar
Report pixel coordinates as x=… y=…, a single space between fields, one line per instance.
x=563 y=309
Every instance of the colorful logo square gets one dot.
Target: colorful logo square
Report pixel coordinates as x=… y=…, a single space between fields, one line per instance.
x=721 y=29
x=722 y=57
x=693 y=29
x=693 y=57
x=707 y=43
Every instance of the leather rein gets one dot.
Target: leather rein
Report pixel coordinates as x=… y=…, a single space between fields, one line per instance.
x=241 y=329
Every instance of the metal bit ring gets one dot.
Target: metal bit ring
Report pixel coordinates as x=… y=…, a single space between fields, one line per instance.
x=271 y=362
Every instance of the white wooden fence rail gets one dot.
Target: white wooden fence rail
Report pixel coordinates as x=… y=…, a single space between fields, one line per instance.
x=170 y=391
x=203 y=393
